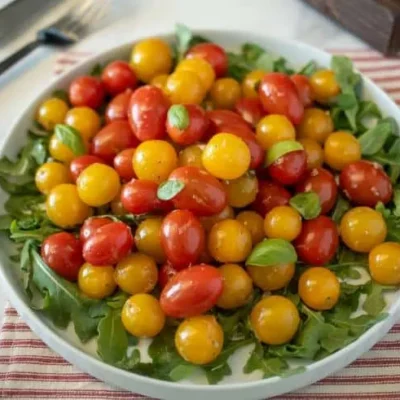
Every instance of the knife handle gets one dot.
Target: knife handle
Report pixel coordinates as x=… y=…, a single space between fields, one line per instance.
x=18 y=55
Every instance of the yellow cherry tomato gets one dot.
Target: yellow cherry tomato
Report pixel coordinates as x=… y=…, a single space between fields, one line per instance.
x=226 y=156
x=199 y=340
x=340 y=149
x=201 y=68
x=59 y=151
x=154 y=160
x=362 y=228
x=225 y=92
x=160 y=81
x=237 y=286
x=51 y=112
x=273 y=277
x=96 y=282
x=250 y=83
x=142 y=316
x=319 y=288
x=254 y=222
x=151 y=57
x=209 y=222
x=242 y=191
x=64 y=207
x=136 y=273
x=229 y=241
x=85 y=120
x=324 y=85
x=282 y=222
x=191 y=156
x=117 y=207
x=275 y=320
x=316 y=124
x=384 y=263
x=315 y=154
x=148 y=240
x=274 y=128
x=184 y=87
x=51 y=174
x=98 y=184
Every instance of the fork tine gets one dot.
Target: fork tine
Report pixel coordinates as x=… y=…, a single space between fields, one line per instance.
x=76 y=14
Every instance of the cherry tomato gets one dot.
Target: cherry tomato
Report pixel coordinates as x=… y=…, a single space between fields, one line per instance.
x=85 y=120
x=384 y=263
x=160 y=81
x=182 y=238
x=209 y=222
x=251 y=82
x=51 y=174
x=184 y=87
x=186 y=124
x=303 y=88
x=201 y=68
x=86 y=91
x=139 y=196
x=191 y=156
x=91 y=225
x=219 y=118
x=322 y=182
x=362 y=228
x=151 y=57
x=318 y=241
x=365 y=183
x=117 y=208
x=109 y=244
x=225 y=92
x=273 y=129
x=123 y=164
x=275 y=320
x=202 y=194
x=96 y=281
x=254 y=223
x=315 y=154
x=199 y=340
x=250 y=110
x=192 y=291
x=142 y=316
x=52 y=112
x=117 y=108
x=79 y=164
x=242 y=191
x=340 y=149
x=273 y=277
x=278 y=95
x=117 y=77
x=282 y=222
x=147 y=113
x=62 y=252
x=112 y=139
x=324 y=85
x=270 y=195
x=212 y=53
x=317 y=125
x=166 y=272
x=59 y=151
x=319 y=288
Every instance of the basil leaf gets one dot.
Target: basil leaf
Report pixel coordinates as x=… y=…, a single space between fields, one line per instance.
x=271 y=252
x=22 y=166
x=308 y=69
x=281 y=148
x=368 y=109
x=61 y=94
x=307 y=204
x=347 y=101
x=341 y=207
x=178 y=116
x=71 y=138
x=373 y=140
x=169 y=189
x=280 y=65
x=183 y=37
x=24 y=186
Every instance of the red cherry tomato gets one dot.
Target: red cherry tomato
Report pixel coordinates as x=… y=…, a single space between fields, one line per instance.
x=278 y=95
x=91 y=225
x=117 y=108
x=147 y=113
x=117 y=77
x=322 y=182
x=318 y=241
x=270 y=195
x=194 y=131
x=289 y=168
x=182 y=238
x=365 y=183
x=62 y=252
x=109 y=244
x=192 y=291
x=123 y=164
x=112 y=139
x=165 y=273
x=250 y=109
x=86 y=91
x=220 y=118
x=202 y=194
x=303 y=88
x=82 y=162
x=212 y=53
x=139 y=196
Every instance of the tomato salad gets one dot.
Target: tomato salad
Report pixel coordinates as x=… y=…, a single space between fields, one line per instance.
x=208 y=200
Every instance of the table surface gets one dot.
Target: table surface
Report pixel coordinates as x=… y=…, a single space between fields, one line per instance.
x=128 y=18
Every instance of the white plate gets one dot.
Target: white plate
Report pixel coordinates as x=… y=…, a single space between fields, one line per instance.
x=238 y=386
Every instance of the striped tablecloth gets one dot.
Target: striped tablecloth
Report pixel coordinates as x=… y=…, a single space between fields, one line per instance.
x=30 y=370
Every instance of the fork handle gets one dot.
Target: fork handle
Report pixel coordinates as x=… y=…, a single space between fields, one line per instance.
x=18 y=55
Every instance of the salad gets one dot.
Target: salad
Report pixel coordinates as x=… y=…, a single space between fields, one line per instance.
x=208 y=200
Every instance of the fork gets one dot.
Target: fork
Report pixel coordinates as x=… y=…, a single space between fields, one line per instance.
x=65 y=31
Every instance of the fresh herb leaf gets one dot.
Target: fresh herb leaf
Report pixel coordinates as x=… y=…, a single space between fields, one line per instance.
x=178 y=117
x=27 y=186
x=61 y=94
x=39 y=233
x=341 y=207
x=368 y=109
x=97 y=70
x=280 y=65
x=396 y=201
x=375 y=303
x=281 y=148
x=182 y=371
x=20 y=206
x=185 y=40
x=307 y=204
x=5 y=222
x=169 y=189
x=373 y=140
x=308 y=69
x=71 y=138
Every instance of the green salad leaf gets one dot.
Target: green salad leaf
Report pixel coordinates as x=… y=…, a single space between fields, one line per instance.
x=61 y=94
x=272 y=252
x=169 y=189
x=373 y=140
x=341 y=207
x=185 y=39
x=71 y=138
x=308 y=69
x=97 y=70
x=307 y=204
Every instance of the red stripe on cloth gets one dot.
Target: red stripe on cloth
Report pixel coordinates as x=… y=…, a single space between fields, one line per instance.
x=375 y=362
x=337 y=396
x=357 y=380
x=12 y=327
x=36 y=359
x=44 y=376
x=6 y=343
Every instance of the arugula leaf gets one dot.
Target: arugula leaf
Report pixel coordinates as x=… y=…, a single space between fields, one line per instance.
x=27 y=186
x=336 y=339
x=280 y=65
x=392 y=223
x=39 y=233
x=23 y=164
x=368 y=109
x=255 y=55
x=307 y=204
x=182 y=371
x=375 y=303
x=5 y=222
x=71 y=138
x=97 y=70
x=20 y=206
x=185 y=40
x=272 y=252
x=341 y=207
x=373 y=140
x=308 y=69
x=61 y=94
